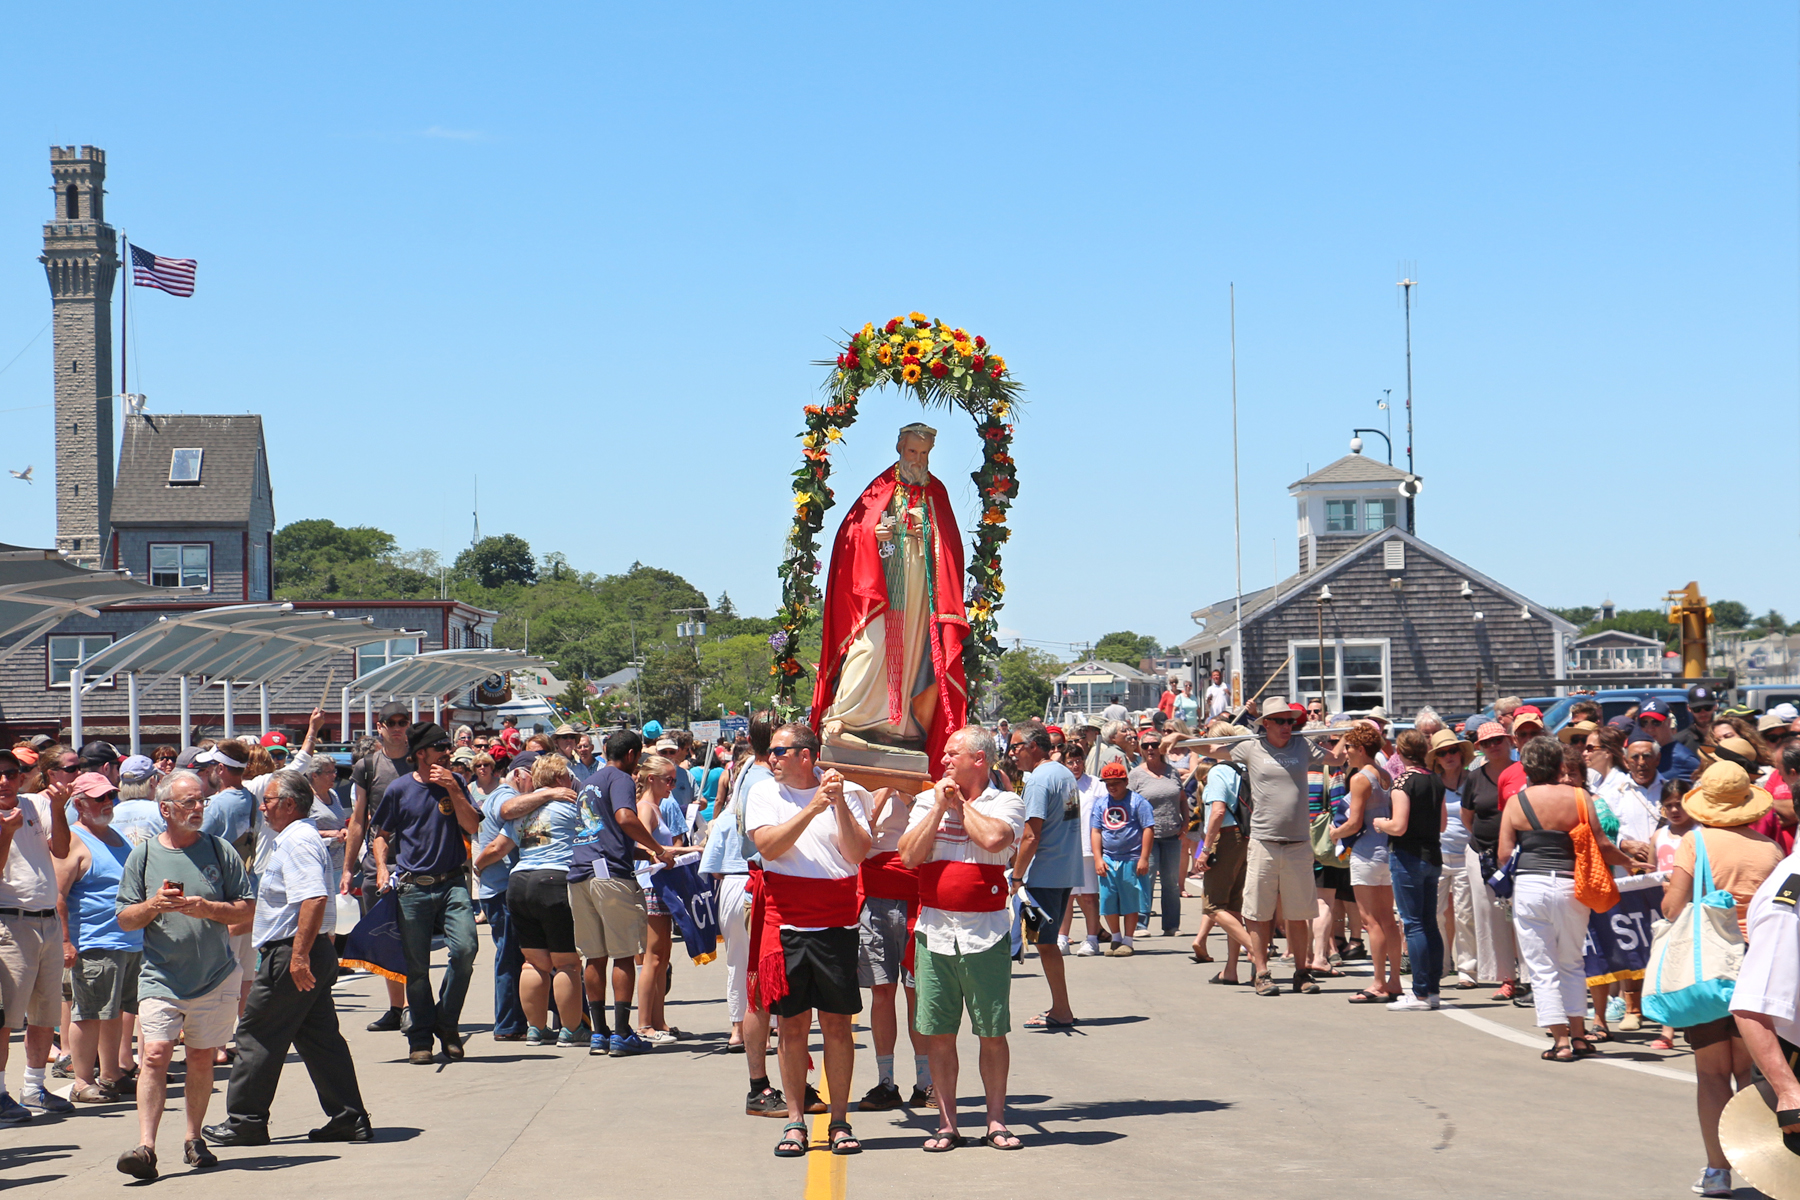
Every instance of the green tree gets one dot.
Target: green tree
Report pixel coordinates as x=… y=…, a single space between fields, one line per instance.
x=671 y=683
x=1646 y=622
x=306 y=551
x=737 y=674
x=1771 y=622
x=1577 y=616
x=1025 y=686
x=1126 y=647
x=499 y=560
x=1730 y=614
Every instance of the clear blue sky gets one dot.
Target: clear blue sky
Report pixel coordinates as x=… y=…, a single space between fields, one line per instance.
x=589 y=252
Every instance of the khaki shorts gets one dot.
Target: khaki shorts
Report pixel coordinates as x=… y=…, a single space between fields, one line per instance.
x=31 y=970
x=244 y=951
x=1222 y=889
x=106 y=983
x=206 y=1022
x=1279 y=872
x=610 y=921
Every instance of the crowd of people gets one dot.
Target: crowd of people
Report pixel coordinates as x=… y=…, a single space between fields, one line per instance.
x=194 y=896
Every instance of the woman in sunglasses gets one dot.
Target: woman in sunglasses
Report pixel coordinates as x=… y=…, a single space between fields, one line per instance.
x=1496 y=949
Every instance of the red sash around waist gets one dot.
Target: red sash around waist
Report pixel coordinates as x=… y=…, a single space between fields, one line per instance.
x=792 y=900
x=885 y=878
x=963 y=887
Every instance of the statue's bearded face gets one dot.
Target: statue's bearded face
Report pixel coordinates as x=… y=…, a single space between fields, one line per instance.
x=915 y=460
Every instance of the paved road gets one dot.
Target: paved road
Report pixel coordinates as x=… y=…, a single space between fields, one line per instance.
x=1168 y=1086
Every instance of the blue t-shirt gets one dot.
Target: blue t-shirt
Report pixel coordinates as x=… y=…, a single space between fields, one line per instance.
x=545 y=836
x=674 y=820
x=1221 y=787
x=137 y=820
x=683 y=792
x=421 y=839
x=230 y=813
x=1121 y=824
x=1050 y=794
x=600 y=839
x=1677 y=762
x=492 y=880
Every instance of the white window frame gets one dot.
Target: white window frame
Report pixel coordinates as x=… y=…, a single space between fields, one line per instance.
x=199 y=453
x=1389 y=508
x=87 y=645
x=389 y=651
x=1306 y=687
x=1352 y=509
x=181 y=566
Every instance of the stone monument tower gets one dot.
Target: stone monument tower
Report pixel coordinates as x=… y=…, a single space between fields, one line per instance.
x=80 y=258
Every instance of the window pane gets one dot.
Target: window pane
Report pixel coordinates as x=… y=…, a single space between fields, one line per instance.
x=165 y=566
x=65 y=652
x=400 y=647
x=1340 y=516
x=1306 y=670
x=370 y=657
x=1379 y=514
x=184 y=466
x=194 y=563
x=1363 y=683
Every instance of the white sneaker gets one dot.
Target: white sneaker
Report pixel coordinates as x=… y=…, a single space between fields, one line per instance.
x=1714 y=1181
x=1087 y=950
x=1432 y=1000
x=657 y=1037
x=1407 y=1002
x=1062 y=945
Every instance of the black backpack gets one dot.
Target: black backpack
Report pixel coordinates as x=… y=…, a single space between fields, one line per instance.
x=1197 y=822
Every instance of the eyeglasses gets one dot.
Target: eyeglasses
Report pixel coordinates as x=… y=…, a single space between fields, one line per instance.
x=396 y=723
x=783 y=751
x=187 y=802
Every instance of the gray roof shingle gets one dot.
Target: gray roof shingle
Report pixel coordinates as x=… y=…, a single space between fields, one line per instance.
x=1353 y=468
x=143 y=495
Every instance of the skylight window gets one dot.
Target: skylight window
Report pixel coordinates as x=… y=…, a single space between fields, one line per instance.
x=184 y=466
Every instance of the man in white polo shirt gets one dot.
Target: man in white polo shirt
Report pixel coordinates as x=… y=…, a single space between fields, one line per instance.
x=960 y=839
x=34 y=833
x=813 y=833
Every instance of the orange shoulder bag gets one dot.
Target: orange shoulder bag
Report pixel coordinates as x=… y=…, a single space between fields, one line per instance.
x=1594 y=884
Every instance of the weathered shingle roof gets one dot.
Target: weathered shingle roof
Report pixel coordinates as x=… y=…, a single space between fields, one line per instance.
x=143 y=494
x=1353 y=468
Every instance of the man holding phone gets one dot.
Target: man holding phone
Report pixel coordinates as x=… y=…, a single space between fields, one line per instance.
x=182 y=888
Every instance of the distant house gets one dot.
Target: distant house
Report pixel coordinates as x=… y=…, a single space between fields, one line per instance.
x=1377 y=616
x=193 y=506
x=1613 y=650
x=1090 y=686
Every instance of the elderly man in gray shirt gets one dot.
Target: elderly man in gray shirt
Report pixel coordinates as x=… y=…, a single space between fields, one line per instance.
x=1279 y=872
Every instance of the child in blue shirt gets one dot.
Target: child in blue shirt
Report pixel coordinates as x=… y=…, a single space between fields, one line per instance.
x=1122 y=826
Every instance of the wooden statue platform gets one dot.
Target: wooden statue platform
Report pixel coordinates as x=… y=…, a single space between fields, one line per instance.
x=879 y=767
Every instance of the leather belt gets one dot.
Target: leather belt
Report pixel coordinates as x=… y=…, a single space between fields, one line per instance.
x=27 y=912
x=426 y=880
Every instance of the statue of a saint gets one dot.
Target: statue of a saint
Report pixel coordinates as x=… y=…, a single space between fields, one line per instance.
x=890 y=668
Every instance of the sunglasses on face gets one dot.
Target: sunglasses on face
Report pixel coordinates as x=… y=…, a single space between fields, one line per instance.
x=1278 y=720
x=10 y=772
x=396 y=723
x=1493 y=741
x=783 y=751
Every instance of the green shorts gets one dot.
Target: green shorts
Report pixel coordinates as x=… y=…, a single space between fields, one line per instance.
x=949 y=982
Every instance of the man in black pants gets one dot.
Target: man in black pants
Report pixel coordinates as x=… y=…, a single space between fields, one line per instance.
x=290 y=999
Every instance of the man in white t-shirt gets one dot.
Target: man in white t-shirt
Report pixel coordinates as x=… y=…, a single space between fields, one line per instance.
x=1766 y=1000
x=884 y=960
x=960 y=838
x=1087 y=892
x=812 y=831
x=1218 y=697
x=34 y=832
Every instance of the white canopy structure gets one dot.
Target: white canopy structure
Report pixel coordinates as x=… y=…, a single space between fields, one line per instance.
x=40 y=588
x=232 y=645
x=439 y=673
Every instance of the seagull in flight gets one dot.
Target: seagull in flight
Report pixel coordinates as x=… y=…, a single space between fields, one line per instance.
x=25 y=474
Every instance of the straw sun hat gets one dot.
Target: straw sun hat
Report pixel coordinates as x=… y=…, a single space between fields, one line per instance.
x=1724 y=797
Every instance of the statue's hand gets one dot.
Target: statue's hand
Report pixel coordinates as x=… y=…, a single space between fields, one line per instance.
x=884 y=531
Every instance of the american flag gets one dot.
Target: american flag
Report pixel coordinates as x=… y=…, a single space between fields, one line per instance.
x=173 y=275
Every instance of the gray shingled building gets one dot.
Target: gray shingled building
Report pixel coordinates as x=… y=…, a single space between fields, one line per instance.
x=1376 y=616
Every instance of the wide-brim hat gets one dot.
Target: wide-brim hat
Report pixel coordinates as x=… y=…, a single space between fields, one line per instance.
x=1278 y=706
x=1580 y=729
x=1723 y=797
x=1756 y=1147
x=1444 y=740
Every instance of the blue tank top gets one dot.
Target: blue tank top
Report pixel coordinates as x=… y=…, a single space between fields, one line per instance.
x=93 y=899
x=1371 y=844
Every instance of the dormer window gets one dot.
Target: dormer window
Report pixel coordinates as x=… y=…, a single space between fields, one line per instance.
x=1380 y=514
x=1340 y=516
x=184 y=466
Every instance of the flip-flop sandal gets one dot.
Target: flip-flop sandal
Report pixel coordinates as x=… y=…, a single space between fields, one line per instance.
x=1599 y=1033
x=799 y=1143
x=1327 y=973
x=1583 y=1047
x=951 y=1141
x=993 y=1138
x=1661 y=1043
x=1370 y=996
x=1466 y=985
x=1045 y=1021
x=843 y=1141
x=1565 y=1055
x=1220 y=979
x=1202 y=958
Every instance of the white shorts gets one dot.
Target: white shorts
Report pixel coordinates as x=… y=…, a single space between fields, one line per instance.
x=1090 y=878
x=1370 y=872
x=207 y=1021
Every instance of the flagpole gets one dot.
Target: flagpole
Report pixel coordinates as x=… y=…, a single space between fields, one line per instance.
x=124 y=313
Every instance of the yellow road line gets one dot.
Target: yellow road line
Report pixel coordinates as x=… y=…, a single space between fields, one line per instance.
x=825 y=1171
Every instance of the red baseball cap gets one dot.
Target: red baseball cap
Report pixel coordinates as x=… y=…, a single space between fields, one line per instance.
x=1114 y=770
x=273 y=738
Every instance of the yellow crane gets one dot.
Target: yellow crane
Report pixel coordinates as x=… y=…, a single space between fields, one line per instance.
x=1689 y=612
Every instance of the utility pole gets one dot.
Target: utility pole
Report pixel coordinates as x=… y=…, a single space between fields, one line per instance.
x=1408 y=284
x=1237 y=525
x=693 y=631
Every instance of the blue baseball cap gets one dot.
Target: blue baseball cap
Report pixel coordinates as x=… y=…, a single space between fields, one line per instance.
x=1657 y=709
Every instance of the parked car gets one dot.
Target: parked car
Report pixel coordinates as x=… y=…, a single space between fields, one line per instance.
x=1763 y=697
x=1617 y=702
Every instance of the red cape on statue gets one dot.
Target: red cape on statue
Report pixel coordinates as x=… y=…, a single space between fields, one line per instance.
x=856 y=594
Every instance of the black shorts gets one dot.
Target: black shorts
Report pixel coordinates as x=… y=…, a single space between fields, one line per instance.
x=1054 y=902
x=537 y=903
x=1335 y=880
x=821 y=972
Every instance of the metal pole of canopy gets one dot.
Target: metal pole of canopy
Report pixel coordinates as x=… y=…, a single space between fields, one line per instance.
x=263 y=689
x=437 y=709
x=75 y=710
x=131 y=703
x=368 y=715
x=344 y=714
x=415 y=709
x=229 y=732
x=187 y=717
